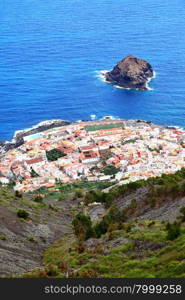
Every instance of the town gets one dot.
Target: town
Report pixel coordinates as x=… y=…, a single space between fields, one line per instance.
x=106 y=150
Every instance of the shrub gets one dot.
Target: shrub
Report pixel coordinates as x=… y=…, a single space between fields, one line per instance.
x=151 y=224
x=3 y=237
x=79 y=193
x=89 y=273
x=21 y=213
x=173 y=230
x=38 y=199
x=102 y=226
x=113 y=217
x=52 y=271
x=182 y=211
x=110 y=170
x=98 y=196
x=90 y=196
x=82 y=226
x=173 y=189
x=133 y=204
x=127 y=227
x=116 y=215
x=108 y=199
x=18 y=194
x=151 y=201
x=31 y=239
x=80 y=246
x=62 y=198
x=113 y=227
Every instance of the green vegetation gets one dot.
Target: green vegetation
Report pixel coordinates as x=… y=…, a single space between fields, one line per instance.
x=130 y=141
x=54 y=154
x=103 y=126
x=159 y=188
x=173 y=230
x=14 y=200
x=123 y=245
x=156 y=149
x=144 y=252
x=68 y=190
x=82 y=227
x=21 y=213
x=31 y=239
x=98 y=196
x=3 y=237
x=114 y=217
x=79 y=193
x=18 y=194
x=33 y=173
x=38 y=199
x=110 y=170
x=182 y=211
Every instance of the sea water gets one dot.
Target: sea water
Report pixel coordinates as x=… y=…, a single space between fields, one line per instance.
x=52 y=53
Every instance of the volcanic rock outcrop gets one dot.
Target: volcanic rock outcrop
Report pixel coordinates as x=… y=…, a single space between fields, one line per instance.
x=131 y=73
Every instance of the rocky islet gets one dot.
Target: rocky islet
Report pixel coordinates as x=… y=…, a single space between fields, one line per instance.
x=131 y=73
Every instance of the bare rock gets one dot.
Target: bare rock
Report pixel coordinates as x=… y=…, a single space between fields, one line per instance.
x=131 y=73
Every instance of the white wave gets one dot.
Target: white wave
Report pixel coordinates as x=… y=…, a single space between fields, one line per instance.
x=93 y=117
x=154 y=74
x=102 y=71
x=101 y=75
x=147 y=84
x=121 y=87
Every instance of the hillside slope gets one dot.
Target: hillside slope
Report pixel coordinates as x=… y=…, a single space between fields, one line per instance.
x=140 y=234
x=22 y=240
x=141 y=251
x=50 y=213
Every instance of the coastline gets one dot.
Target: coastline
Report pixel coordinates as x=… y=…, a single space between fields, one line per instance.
x=85 y=144
x=18 y=137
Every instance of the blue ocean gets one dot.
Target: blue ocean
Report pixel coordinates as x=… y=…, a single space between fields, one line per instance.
x=51 y=53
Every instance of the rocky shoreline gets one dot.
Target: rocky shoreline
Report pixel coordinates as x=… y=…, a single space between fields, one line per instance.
x=19 y=135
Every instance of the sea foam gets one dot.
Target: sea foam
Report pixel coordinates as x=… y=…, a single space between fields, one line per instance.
x=147 y=84
x=101 y=75
x=93 y=117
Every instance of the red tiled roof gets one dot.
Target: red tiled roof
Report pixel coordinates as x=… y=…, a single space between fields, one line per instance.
x=90 y=147
x=34 y=161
